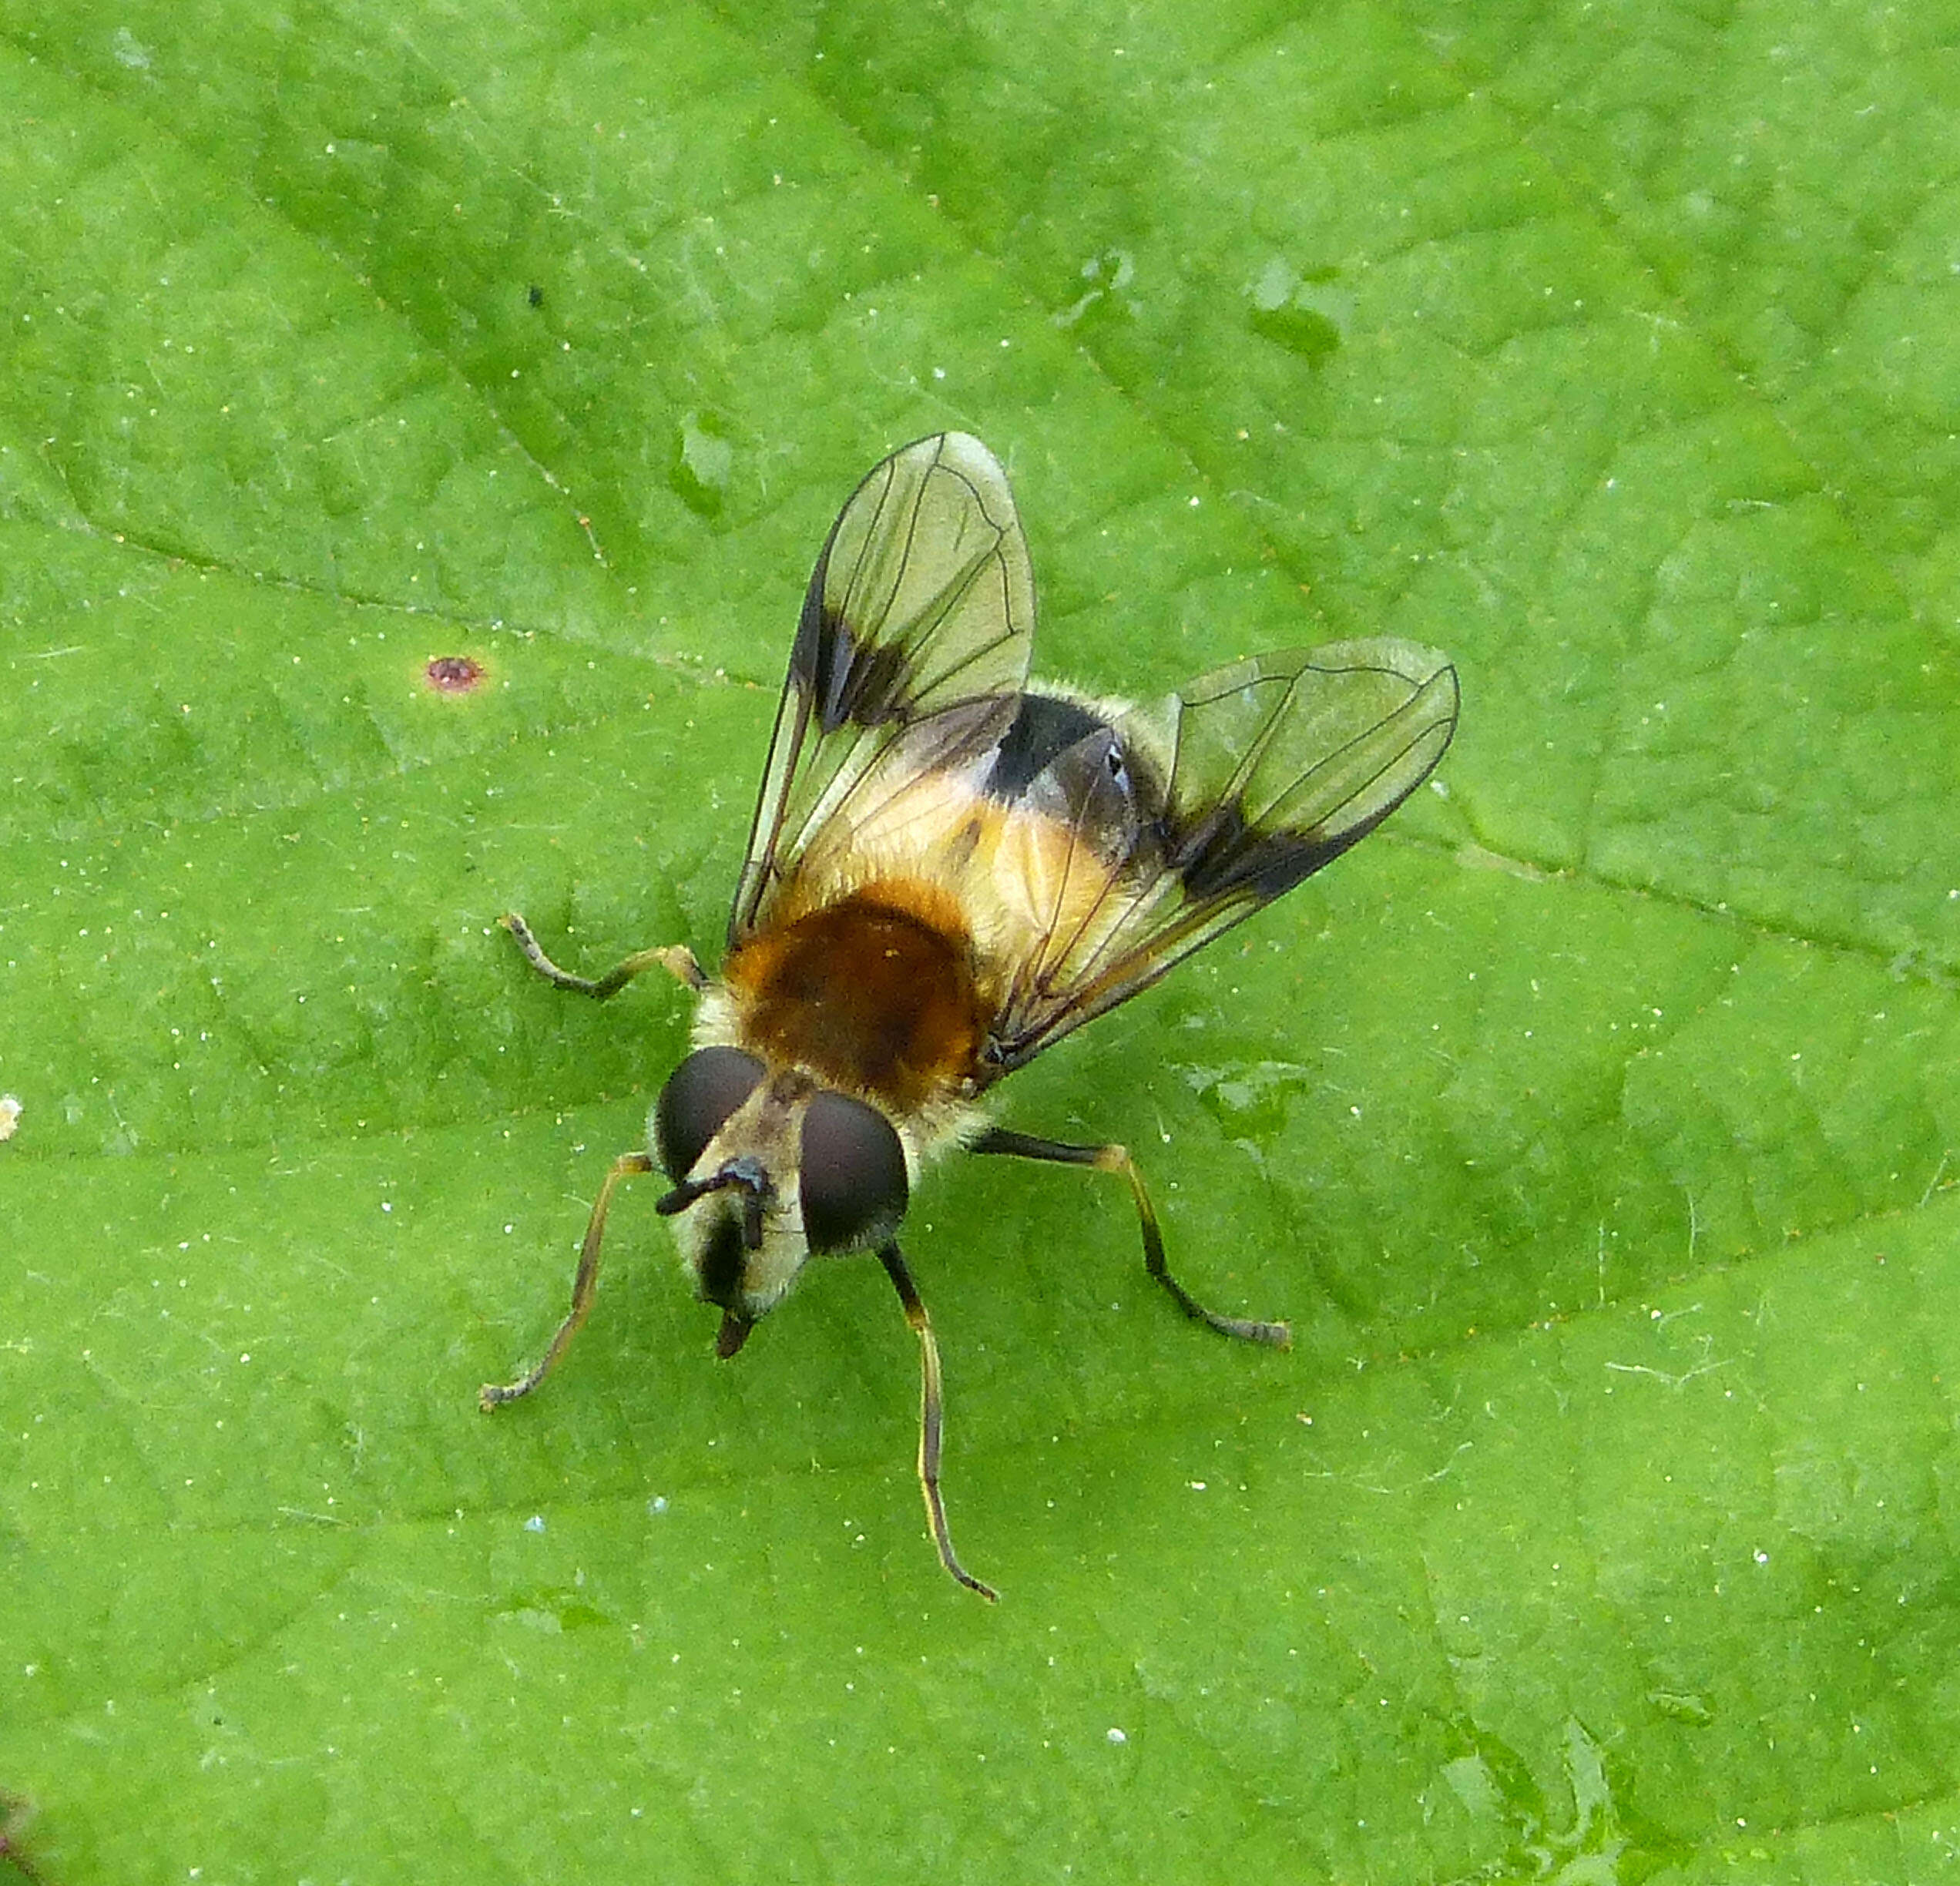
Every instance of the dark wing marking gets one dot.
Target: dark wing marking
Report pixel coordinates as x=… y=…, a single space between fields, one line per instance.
x=921 y=599
x=1262 y=773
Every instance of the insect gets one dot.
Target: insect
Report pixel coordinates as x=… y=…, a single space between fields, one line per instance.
x=951 y=870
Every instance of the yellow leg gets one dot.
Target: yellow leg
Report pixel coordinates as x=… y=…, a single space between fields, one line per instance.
x=493 y=1394
x=932 y=1417
x=676 y=958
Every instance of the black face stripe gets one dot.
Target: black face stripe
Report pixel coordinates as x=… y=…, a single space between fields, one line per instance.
x=719 y=1271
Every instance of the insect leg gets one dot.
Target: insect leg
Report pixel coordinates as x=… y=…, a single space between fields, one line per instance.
x=930 y=1417
x=676 y=958
x=492 y=1394
x=1115 y=1159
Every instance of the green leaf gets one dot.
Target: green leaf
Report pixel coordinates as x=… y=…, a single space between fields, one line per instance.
x=1596 y=1125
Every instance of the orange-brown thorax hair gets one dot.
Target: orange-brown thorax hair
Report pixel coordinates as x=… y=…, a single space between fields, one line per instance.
x=875 y=994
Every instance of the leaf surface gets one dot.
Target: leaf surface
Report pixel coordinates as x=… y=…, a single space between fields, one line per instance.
x=1596 y=1124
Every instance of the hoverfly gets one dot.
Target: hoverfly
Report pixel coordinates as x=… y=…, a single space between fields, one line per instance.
x=950 y=869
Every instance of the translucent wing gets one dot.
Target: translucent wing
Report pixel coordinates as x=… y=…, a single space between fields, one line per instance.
x=1154 y=834
x=922 y=601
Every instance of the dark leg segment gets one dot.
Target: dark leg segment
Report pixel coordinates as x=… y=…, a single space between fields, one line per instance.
x=930 y=1417
x=493 y=1394
x=1115 y=1159
x=676 y=958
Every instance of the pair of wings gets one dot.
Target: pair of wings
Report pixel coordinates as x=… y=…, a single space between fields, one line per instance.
x=1162 y=828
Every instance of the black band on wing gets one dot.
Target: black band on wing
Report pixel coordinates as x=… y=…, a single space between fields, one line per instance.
x=846 y=682
x=1219 y=856
x=921 y=603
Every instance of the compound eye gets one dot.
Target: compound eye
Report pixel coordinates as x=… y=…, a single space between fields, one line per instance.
x=694 y=1105
x=853 y=1185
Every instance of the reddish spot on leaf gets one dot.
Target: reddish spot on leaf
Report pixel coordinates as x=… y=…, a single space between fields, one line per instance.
x=14 y=1814
x=454 y=674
